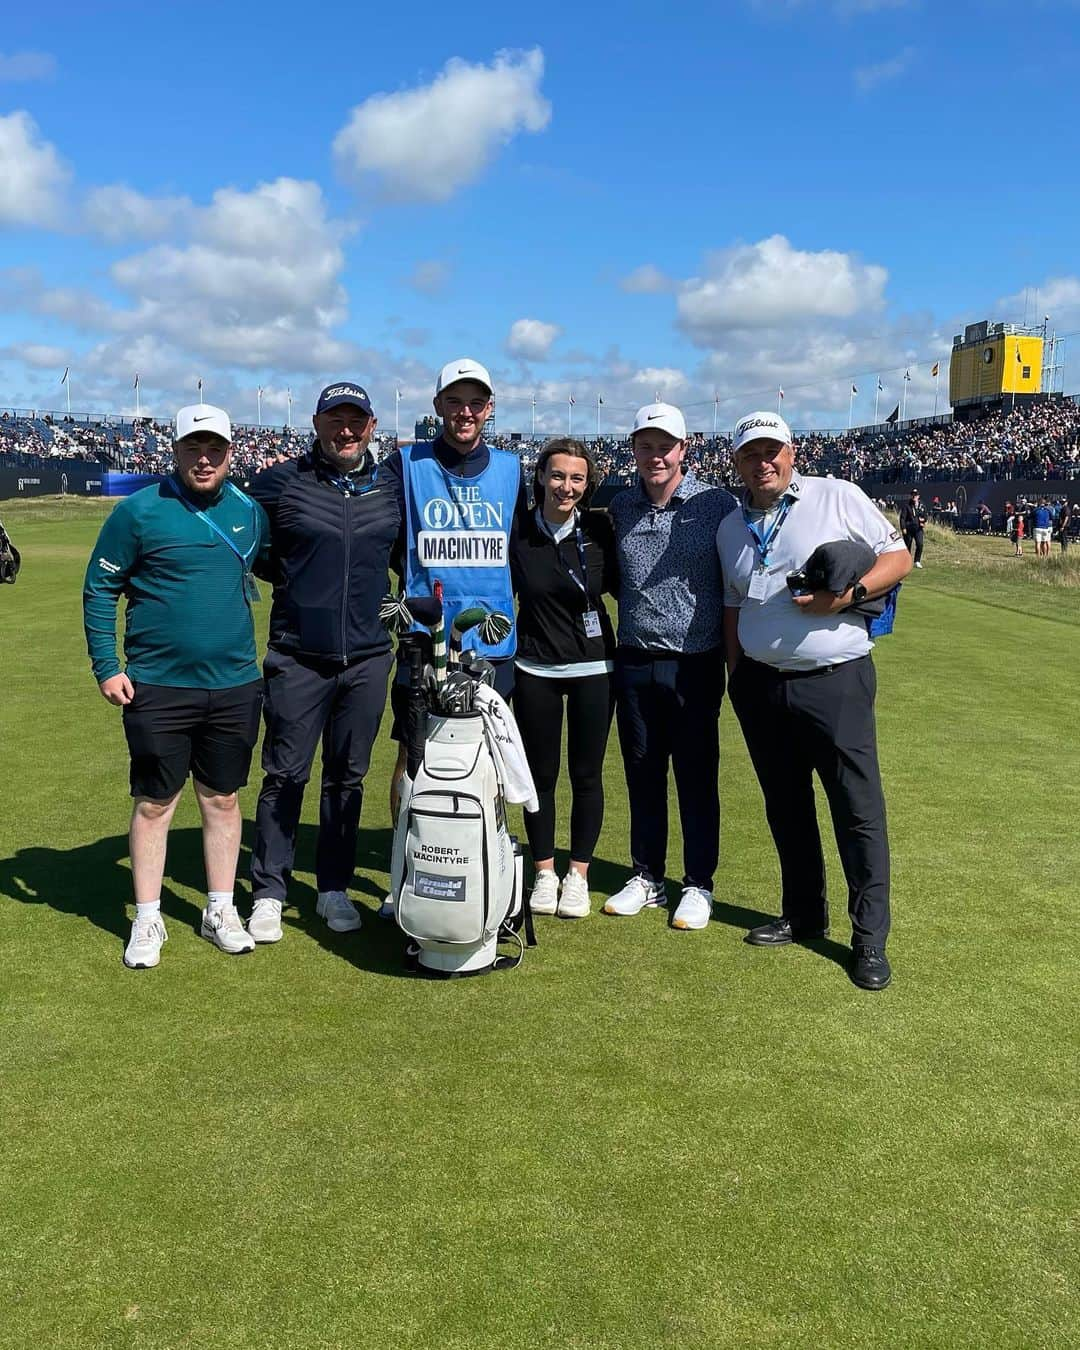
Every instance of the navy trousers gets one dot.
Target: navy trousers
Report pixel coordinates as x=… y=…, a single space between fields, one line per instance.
x=304 y=702
x=667 y=712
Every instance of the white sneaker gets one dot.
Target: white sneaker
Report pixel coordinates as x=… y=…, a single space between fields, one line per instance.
x=919 y=566
x=223 y=928
x=143 y=951
x=639 y=893
x=694 y=909
x=573 y=896
x=544 y=896
x=265 y=922
x=386 y=910
x=338 y=910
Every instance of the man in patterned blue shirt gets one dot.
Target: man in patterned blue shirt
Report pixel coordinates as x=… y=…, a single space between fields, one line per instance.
x=669 y=665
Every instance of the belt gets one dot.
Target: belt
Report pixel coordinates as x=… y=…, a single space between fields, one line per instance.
x=815 y=674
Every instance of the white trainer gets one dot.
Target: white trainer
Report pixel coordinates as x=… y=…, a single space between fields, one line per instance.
x=265 y=922
x=573 y=896
x=544 y=896
x=386 y=910
x=694 y=909
x=223 y=928
x=143 y=951
x=919 y=566
x=639 y=893
x=338 y=910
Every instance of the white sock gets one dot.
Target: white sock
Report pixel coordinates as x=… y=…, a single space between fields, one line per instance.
x=150 y=910
x=216 y=900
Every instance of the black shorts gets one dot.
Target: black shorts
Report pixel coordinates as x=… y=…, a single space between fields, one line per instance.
x=399 y=691
x=209 y=733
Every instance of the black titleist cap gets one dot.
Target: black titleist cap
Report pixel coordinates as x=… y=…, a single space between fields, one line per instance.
x=344 y=392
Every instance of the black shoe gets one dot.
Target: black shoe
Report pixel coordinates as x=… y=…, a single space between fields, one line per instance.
x=780 y=932
x=870 y=968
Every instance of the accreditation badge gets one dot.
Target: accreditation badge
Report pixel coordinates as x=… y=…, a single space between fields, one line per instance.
x=759 y=584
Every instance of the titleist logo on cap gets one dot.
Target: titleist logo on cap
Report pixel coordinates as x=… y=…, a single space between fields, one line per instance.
x=749 y=423
x=336 y=390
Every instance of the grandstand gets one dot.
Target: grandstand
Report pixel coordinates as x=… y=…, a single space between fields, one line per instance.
x=1013 y=454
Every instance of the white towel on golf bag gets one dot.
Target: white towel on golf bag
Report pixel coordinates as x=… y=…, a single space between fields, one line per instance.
x=507 y=749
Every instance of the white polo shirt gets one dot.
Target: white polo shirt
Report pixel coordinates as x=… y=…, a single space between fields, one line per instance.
x=772 y=628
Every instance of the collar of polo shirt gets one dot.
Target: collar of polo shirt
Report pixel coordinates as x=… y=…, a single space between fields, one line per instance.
x=793 y=489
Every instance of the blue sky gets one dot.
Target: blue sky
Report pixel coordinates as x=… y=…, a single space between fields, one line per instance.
x=709 y=201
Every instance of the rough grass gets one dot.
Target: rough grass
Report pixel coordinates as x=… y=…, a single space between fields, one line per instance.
x=640 y=1138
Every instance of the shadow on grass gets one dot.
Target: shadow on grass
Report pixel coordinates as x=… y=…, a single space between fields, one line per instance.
x=93 y=882
x=608 y=877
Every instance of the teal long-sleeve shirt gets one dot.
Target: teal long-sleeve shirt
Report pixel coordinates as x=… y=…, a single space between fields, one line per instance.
x=188 y=622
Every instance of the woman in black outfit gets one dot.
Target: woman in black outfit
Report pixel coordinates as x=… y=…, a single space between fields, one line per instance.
x=563 y=563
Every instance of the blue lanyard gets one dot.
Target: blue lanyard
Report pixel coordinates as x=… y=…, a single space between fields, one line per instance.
x=582 y=582
x=349 y=486
x=764 y=544
x=195 y=511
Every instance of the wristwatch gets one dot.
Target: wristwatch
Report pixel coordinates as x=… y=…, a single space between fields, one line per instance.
x=858 y=593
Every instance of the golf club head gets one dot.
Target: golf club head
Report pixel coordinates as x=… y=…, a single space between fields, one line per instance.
x=483 y=672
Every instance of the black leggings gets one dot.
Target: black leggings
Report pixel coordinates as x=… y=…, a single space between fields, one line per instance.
x=538 y=707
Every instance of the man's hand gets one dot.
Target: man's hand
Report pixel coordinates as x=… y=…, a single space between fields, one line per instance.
x=823 y=603
x=117 y=689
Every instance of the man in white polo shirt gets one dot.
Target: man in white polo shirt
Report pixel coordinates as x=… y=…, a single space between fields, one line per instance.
x=802 y=684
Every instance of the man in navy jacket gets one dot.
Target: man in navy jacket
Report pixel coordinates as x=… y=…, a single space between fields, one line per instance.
x=334 y=520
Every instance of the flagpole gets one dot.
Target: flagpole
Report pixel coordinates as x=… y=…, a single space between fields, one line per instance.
x=937 y=376
x=779 y=399
x=903 y=400
x=397 y=427
x=570 y=415
x=533 y=432
x=715 y=413
x=850 y=406
x=258 y=404
x=288 y=393
x=138 y=405
x=67 y=388
x=877 y=400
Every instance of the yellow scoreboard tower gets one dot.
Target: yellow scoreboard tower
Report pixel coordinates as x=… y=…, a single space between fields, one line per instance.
x=993 y=362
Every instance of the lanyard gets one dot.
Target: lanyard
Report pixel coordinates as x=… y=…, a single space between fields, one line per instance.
x=349 y=486
x=582 y=582
x=195 y=511
x=764 y=544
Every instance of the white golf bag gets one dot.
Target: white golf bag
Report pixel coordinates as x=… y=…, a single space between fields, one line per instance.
x=456 y=872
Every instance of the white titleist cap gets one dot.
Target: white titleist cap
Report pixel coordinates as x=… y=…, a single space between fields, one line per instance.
x=665 y=416
x=465 y=369
x=203 y=417
x=765 y=426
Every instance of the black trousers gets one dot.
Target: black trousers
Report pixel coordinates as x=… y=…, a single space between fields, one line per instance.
x=306 y=701
x=823 y=723
x=667 y=710
x=538 y=708
x=914 y=537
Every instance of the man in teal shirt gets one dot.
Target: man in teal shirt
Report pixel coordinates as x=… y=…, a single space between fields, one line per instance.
x=181 y=554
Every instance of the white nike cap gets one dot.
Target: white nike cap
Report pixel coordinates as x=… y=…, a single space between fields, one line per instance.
x=202 y=417
x=763 y=426
x=465 y=369
x=663 y=415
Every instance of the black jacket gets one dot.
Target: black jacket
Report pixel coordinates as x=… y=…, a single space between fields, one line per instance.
x=550 y=605
x=912 y=517
x=330 y=553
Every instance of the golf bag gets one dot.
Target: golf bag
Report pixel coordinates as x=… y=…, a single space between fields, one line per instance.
x=457 y=873
x=10 y=559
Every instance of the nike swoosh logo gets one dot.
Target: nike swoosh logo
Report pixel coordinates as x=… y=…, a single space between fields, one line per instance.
x=464 y=371
x=210 y=418
x=237 y=528
x=652 y=416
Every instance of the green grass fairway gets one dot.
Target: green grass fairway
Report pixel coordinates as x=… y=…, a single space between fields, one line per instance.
x=642 y=1137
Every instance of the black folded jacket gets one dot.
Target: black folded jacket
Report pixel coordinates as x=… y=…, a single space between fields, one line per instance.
x=839 y=564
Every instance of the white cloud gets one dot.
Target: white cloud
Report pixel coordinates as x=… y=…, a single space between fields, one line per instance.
x=22 y=67
x=647 y=279
x=770 y=283
x=33 y=177
x=430 y=278
x=869 y=77
x=39 y=355
x=424 y=144
x=531 y=339
x=118 y=212
x=1057 y=297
